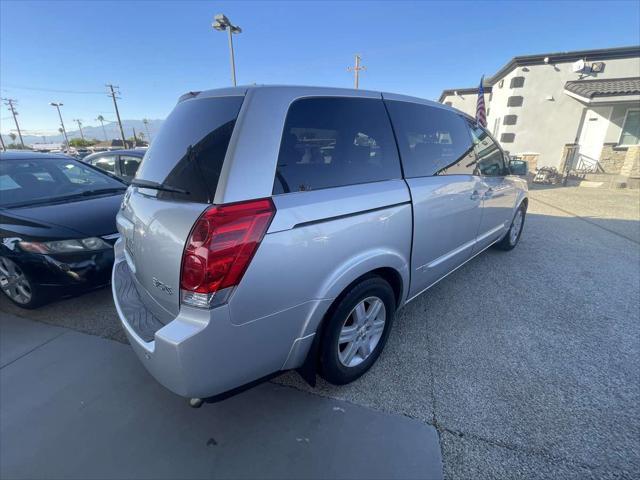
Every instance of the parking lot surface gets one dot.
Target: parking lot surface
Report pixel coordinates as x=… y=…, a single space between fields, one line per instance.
x=78 y=406
x=526 y=362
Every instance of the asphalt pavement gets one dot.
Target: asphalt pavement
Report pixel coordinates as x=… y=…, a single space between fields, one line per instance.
x=526 y=362
x=79 y=406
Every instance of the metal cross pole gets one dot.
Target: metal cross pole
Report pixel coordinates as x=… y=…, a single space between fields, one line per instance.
x=356 y=71
x=222 y=23
x=64 y=130
x=9 y=102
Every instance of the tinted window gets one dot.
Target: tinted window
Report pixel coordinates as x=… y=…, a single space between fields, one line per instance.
x=515 y=101
x=510 y=120
x=189 y=150
x=508 y=137
x=489 y=154
x=517 y=82
x=332 y=142
x=107 y=163
x=432 y=140
x=49 y=179
x=129 y=165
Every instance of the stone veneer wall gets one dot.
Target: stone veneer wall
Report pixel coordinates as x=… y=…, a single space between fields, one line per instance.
x=631 y=166
x=532 y=160
x=612 y=158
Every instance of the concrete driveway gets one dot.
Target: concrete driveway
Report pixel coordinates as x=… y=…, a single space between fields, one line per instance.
x=526 y=362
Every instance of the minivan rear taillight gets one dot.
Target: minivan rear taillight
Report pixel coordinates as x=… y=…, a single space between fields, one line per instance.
x=220 y=247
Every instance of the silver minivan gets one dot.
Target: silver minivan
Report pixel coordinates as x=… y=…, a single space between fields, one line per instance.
x=271 y=228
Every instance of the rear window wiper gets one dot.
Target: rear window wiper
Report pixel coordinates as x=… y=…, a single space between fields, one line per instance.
x=157 y=186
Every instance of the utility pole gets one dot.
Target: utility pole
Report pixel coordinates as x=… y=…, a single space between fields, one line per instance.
x=112 y=94
x=135 y=138
x=79 y=122
x=9 y=102
x=146 y=127
x=356 y=71
x=64 y=130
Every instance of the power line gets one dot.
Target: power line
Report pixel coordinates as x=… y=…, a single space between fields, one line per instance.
x=38 y=89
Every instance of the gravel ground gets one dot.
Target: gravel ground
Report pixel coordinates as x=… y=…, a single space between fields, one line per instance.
x=527 y=362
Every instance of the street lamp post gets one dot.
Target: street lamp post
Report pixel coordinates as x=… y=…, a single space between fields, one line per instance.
x=222 y=23
x=64 y=130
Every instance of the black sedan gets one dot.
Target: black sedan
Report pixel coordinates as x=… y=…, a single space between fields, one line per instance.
x=57 y=226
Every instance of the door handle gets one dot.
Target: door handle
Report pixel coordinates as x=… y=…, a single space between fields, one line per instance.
x=475 y=195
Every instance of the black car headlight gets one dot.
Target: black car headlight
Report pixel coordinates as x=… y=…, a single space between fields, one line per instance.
x=66 y=246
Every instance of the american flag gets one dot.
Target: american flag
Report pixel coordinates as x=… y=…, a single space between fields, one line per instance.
x=481 y=113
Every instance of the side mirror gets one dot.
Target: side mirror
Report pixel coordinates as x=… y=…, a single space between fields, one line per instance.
x=519 y=167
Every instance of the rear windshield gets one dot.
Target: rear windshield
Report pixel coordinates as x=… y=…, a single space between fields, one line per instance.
x=189 y=150
x=43 y=180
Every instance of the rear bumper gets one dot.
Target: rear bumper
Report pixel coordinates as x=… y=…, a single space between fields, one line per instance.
x=201 y=353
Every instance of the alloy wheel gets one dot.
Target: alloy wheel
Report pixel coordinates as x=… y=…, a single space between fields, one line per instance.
x=14 y=282
x=361 y=331
x=516 y=226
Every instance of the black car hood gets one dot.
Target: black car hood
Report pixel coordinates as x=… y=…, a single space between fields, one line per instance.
x=87 y=217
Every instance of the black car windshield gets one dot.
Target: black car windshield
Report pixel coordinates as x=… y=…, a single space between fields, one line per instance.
x=40 y=180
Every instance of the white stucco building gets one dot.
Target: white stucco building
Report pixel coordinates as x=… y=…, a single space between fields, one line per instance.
x=581 y=106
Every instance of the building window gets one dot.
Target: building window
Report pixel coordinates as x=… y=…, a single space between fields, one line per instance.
x=631 y=128
x=449 y=104
x=510 y=119
x=517 y=82
x=501 y=83
x=488 y=110
x=507 y=137
x=515 y=101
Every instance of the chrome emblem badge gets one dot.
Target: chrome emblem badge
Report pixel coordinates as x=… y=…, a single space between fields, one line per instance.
x=162 y=286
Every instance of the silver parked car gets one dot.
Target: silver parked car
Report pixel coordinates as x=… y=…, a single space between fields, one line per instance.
x=275 y=228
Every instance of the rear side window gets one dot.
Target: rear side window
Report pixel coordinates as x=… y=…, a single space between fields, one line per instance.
x=432 y=140
x=107 y=163
x=333 y=142
x=189 y=150
x=129 y=165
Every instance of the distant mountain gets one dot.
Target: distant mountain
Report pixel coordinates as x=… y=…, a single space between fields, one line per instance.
x=90 y=132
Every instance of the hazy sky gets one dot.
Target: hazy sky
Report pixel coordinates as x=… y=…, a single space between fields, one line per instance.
x=155 y=51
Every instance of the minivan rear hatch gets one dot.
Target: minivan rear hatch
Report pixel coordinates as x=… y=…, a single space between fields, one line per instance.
x=184 y=162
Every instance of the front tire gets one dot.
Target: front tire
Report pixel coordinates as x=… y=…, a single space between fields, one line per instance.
x=18 y=287
x=512 y=237
x=357 y=330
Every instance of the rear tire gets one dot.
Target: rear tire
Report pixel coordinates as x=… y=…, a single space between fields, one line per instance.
x=512 y=237
x=357 y=330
